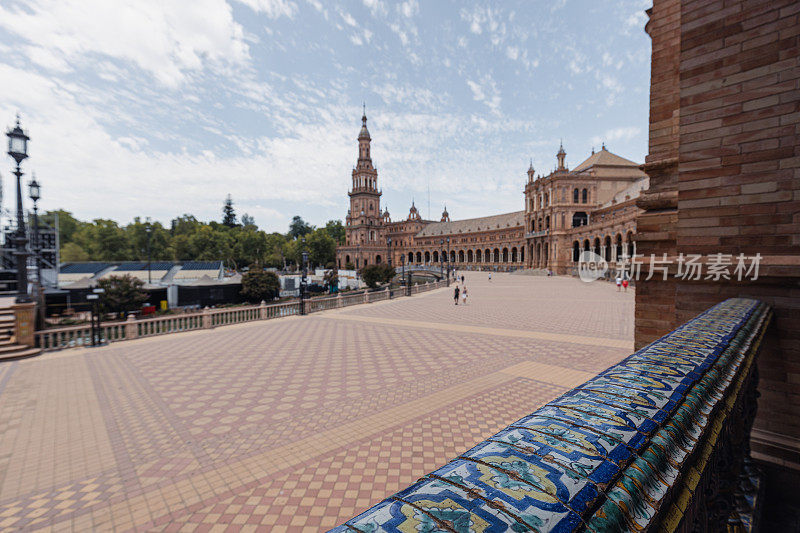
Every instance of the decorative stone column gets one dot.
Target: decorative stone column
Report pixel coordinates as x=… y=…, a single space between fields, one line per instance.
x=131 y=329
x=24 y=323
x=262 y=310
x=207 y=318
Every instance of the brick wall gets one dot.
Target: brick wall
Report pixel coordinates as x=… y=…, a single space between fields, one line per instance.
x=737 y=180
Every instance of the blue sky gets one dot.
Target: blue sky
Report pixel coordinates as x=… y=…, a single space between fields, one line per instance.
x=163 y=107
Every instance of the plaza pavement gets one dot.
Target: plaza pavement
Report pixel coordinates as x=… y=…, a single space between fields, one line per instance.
x=296 y=423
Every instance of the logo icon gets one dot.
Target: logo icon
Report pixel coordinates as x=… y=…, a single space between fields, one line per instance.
x=591 y=266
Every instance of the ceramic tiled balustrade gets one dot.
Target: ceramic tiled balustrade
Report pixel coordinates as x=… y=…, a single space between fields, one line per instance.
x=658 y=442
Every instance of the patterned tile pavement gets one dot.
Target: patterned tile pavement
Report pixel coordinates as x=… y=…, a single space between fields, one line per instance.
x=290 y=424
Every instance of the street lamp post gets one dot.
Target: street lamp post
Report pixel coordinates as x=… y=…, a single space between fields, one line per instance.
x=449 y=266
x=441 y=258
x=148 y=229
x=303 y=280
x=18 y=150
x=389 y=261
x=34 y=193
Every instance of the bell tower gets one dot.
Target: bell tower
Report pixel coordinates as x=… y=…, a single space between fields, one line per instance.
x=364 y=217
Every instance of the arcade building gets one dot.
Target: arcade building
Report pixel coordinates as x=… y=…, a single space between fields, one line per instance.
x=590 y=207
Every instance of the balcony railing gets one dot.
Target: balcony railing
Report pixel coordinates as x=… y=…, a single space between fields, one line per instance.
x=81 y=335
x=540 y=233
x=658 y=442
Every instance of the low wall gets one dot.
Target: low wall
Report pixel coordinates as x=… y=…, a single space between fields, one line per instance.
x=81 y=335
x=658 y=442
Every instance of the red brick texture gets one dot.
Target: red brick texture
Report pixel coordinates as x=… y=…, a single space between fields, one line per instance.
x=730 y=73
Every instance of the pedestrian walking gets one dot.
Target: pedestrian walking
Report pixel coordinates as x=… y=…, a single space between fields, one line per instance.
x=625 y=284
x=490 y=276
x=455 y=296
x=462 y=279
x=464 y=295
x=619 y=282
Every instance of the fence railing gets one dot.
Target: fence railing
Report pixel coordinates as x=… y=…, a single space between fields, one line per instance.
x=658 y=442
x=81 y=335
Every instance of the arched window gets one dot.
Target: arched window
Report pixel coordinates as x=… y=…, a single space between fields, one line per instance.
x=514 y=255
x=575 y=194
x=533 y=225
x=631 y=248
x=419 y=257
x=487 y=256
x=410 y=257
x=547 y=222
x=546 y=199
x=522 y=254
x=585 y=196
x=607 y=245
x=377 y=260
x=461 y=256
x=452 y=256
x=496 y=255
x=477 y=256
x=469 y=256
x=579 y=219
x=435 y=256
x=586 y=245
x=427 y=257
x=619 y=246
x=346 y=259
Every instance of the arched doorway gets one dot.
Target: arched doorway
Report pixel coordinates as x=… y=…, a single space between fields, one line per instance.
x=496 y=255
x=619 y=247
x=469 y=256
x=607 y=244
x=477 y=256
x=514 y=254
x=427 y=257
x=419 y=257
x=452 y=256
x=596 y=245
x=505 y=255
x=410 y=257
x=631 y=247
x=487 y=257
x=461 y=256
x=586 y=245
x=435 y=256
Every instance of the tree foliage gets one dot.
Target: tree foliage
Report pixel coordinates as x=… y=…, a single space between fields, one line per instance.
x=259 y=284
x=375 y=274
x=123 y=294
x=188 y=239
x=228 y=214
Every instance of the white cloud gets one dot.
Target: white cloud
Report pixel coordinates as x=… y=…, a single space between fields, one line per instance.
x=375 y=6
x=272 y=8
x=486 y=91
x=512 y=52
x=409 y=8
x=617 y=134
x=158 y=36
x=348 y=18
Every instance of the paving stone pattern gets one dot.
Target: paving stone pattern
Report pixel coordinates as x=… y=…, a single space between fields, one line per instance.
x=296 y=423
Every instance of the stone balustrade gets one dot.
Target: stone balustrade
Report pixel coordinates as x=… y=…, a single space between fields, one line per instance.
x=80 y=335
x=658 y=442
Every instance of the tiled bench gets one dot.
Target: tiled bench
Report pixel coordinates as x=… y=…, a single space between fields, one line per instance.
x=658 y=442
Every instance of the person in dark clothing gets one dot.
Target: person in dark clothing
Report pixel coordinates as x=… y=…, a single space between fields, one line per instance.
x=456 y=295
x=462 y=279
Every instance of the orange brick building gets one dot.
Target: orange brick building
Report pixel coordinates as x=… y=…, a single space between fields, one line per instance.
x=591 y=207
x=724 y=168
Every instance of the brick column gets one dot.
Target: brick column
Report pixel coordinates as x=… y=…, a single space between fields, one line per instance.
x=24 y=323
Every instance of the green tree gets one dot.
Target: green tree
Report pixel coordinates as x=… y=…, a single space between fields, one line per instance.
x=228 y=214
x=104 y=240
x=122 y=295
x=185 y=225
x=336 y=230
x=249 y=222
x=250 y=246
x=258 y=285
x=299 y=227
x=375 y=274
x=71 y=252
x=67 y=224
x=321 y=247
x=136 y=234
x=209 y=244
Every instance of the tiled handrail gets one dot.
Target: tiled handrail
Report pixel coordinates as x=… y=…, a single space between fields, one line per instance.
x=658 y=442
x=73 y=336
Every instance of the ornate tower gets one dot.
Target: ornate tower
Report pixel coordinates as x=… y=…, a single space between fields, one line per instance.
x=530 y=172
x=445 y=215
x=364 y=217
x=561 y=155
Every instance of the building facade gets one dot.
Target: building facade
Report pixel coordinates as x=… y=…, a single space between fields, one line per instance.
x=591 y=207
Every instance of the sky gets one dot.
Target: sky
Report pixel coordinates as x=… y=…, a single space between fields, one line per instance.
x=163 y=107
